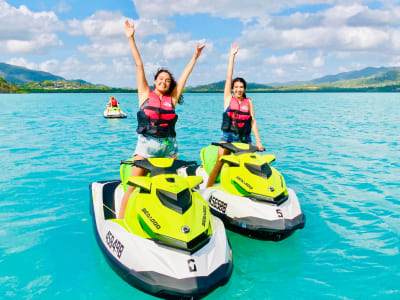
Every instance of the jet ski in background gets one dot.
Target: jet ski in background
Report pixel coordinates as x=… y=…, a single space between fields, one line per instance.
x=113 y=110
x=168 y=244
x=114 y=113
x=251 y=197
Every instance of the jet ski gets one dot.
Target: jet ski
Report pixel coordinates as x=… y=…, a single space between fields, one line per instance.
x=168 y=244
x=250 y=196
x=113 y=113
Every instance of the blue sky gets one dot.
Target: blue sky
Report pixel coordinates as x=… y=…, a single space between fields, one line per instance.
x=279 y=41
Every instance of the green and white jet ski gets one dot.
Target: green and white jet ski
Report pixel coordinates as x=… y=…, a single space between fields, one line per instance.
x=250 y=196
x=168 y=243
x=114 y=113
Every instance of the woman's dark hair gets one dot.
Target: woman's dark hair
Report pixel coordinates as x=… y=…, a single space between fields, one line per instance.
x=172 y=85
x=240 y=79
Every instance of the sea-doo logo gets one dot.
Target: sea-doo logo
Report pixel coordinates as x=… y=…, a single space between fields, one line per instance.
x=185 y=229
x=244 y=182
x=192 y=265
x=218 y=204
x=151 y=219
x=203 y=221
x=114 y=244
x=167 y=104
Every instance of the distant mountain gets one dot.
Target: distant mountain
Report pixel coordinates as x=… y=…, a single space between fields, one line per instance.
x=367 y=72
x=385 y=79
x=18 y=75
x=220 y=85
x=15 y=79
x=19 y=79
x=369 y=78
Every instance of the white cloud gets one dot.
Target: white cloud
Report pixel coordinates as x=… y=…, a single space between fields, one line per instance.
x=318 y=62
x=106 y=32
x=24 y=31
x=22 y=62
x=99 y=25
x=221 y=9
x=62 y=7
x=292 y=58
x=395 y=62
x=338 y=15
x=178 y=46
x=103 y=24
x=330 y=31
x=396 y=39
x=108 y=49
x=279 y=72
x=51 y=66
x=39 y=45
x=361 y=38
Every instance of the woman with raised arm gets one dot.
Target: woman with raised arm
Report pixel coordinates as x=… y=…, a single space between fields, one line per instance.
x=238 y=119
x=156 y=116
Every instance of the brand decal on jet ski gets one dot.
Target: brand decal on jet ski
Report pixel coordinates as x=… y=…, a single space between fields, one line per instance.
x=244 y=182
x=185 y=229
x=203 y=221
x=114 y=244
x=151 y=219
x=218 y=204
x=192 y=265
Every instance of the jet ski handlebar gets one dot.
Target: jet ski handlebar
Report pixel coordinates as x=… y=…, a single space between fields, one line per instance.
x=156 y=170
x=231 y=147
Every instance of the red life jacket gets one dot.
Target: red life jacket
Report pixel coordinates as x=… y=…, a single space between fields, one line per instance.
x=237 y=118
x=114 y=102
x=157 y=117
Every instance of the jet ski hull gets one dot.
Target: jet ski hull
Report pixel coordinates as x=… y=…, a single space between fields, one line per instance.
x=256 y=218
x=114 y=115
x=152 y=267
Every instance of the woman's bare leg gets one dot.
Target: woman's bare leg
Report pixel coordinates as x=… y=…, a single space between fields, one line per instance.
x=135 y=172
x=217 y=167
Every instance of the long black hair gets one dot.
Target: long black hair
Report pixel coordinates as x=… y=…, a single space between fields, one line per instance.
x=172 y=84
x=240 y=79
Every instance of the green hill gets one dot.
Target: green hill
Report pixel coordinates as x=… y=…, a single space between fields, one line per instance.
x=6 y=87
x=387 y=81
x=383 y=80
x=220 y=85
x=65 y=86
x=16 y=79
x=366 y=72
x=19 y=79
x=18 y=75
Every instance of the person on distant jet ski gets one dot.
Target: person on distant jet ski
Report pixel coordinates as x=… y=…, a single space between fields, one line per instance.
x=112 y=103
x=238 y=119
x=156 y=116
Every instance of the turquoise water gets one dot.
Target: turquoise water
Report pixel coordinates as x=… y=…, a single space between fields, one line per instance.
x=339 y=152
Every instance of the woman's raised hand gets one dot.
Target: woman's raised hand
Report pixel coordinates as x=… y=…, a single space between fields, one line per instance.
x=198 y=50
x=234 y=49
x=129 y=29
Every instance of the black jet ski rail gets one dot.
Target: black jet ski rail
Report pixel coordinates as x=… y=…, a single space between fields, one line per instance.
x=153 y=170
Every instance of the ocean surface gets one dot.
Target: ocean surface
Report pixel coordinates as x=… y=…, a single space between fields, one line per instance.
x=339 y=152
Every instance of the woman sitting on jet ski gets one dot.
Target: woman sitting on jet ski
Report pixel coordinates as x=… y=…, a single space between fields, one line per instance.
x=238 y=119
x=156 y=116
x=112 y=103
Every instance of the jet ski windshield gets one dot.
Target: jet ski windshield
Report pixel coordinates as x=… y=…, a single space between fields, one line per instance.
x=263 y=170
